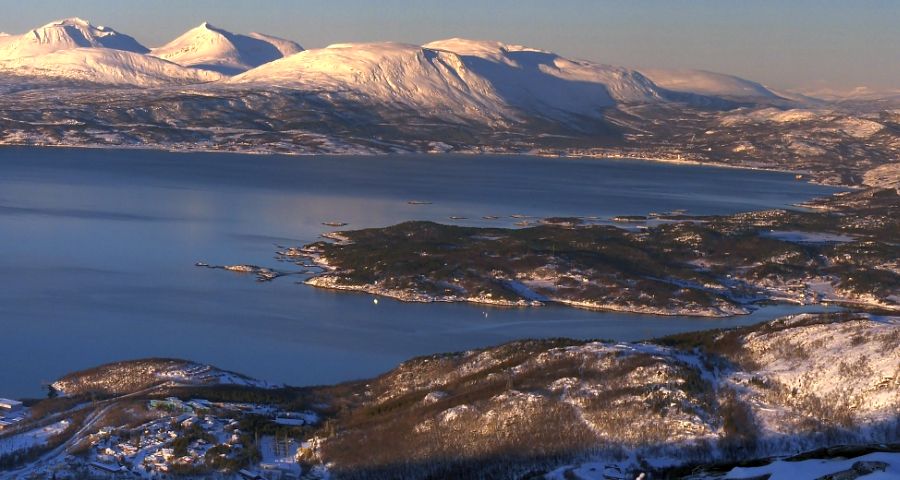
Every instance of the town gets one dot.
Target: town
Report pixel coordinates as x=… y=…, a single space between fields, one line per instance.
x=154 y=436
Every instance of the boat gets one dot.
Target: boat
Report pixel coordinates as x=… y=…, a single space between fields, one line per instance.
x=335 y=224
x=418 y=202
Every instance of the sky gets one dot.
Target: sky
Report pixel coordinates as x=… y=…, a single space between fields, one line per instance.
x=807 y=45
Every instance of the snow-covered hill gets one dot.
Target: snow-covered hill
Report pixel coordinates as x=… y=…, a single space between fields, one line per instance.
x=211 y=48
x=386 y=74
x=463 y=78
x=75 y=50
x=701 y=82
x=639 y=409
x=106 y=66
x=66 y=34
x=126 y=377
x=530 y=77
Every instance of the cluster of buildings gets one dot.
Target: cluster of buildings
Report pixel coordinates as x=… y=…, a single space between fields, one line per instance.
x=179 y=436
x=148 y=451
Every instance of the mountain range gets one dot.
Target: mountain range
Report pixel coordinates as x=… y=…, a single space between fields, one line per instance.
x=72 y=83
x=469 y=75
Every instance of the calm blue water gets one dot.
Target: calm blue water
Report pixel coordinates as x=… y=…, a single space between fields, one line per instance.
x=97 y=249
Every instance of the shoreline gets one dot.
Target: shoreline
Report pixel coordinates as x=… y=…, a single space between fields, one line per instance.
x=323 y=281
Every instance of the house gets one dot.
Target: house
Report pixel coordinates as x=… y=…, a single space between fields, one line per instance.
x=7 y=405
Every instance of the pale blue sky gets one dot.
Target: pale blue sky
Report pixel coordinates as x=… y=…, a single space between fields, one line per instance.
x=785 y=44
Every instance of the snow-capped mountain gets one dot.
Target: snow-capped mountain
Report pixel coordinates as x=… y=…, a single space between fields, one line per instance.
x=394 y=74
x=701 y=82
x=471 y=80
x=66 y=34
x=449 y=95
x=106 y=66
x=478 y=79
x=531 y=77
x=75 y=50
x=210 y=48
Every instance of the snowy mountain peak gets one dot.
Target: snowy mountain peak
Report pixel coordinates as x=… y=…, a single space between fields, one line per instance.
x=208 y=47
x=65 y=34
x=72 y=21
x=212 y=28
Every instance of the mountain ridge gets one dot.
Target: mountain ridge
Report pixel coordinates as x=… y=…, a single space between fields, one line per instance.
x=107 y=66
x=483 y=76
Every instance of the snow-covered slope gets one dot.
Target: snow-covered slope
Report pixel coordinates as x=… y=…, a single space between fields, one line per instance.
x=701 y=82
x=65 y=34
x=460 y=77
x=532 y=77
x=74 y=49
x=394 y=74
x=106 y=66
x=285 y=47
x=210 y=48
